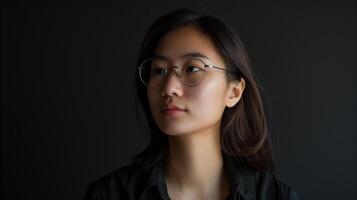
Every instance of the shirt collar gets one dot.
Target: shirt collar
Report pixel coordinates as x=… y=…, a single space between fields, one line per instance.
x=241 y=178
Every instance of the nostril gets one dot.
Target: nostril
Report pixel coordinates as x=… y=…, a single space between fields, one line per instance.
x=171 y=86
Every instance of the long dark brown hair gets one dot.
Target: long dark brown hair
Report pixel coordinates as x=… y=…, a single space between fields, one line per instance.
x=244 y=131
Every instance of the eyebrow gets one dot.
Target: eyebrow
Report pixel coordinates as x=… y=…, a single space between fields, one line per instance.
x=188 y=55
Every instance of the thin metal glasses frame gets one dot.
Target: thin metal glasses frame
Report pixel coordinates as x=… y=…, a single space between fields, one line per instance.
x=180 y=71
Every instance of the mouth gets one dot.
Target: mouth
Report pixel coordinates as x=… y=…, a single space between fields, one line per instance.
x=173 y=110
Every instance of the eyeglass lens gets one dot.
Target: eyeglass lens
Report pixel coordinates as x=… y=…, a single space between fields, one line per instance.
x=190 y=72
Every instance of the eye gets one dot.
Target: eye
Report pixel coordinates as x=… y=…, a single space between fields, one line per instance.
x=157 y=67
x=191 y=69
x=158 y=71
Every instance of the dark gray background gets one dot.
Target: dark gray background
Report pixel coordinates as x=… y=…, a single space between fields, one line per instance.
x=68 y=113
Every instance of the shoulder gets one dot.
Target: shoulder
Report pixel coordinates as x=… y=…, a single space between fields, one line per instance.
x=269 y=184
x=122 y=183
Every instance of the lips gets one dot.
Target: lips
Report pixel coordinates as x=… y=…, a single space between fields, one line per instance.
x=172 y=107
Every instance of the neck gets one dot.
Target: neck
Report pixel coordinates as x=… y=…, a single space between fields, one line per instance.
x=195 y=162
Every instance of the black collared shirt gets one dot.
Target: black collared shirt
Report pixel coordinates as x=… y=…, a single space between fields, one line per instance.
x=135 y=182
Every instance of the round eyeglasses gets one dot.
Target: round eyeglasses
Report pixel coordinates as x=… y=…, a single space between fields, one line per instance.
x=191 y=73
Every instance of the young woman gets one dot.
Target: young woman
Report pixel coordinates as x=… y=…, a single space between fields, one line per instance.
x=209 y=137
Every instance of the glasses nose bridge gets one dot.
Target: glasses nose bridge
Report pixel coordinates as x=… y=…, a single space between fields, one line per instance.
x=177 y=70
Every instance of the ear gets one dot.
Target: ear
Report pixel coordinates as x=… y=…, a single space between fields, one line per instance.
x=235 y=91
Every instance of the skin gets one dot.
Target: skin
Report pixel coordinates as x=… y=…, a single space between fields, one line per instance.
x=194 y=168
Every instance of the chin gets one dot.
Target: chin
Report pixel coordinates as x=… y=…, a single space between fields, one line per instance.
x=173 y=131
x=176 y=126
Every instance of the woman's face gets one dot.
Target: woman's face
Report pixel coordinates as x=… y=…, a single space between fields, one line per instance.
x=201 y=106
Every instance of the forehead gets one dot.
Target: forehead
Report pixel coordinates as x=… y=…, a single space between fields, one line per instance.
x=188 y=40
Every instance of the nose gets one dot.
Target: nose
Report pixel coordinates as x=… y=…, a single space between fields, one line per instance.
x=172 y=84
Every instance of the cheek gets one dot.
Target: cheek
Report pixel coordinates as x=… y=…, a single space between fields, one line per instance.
x=207 y=100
